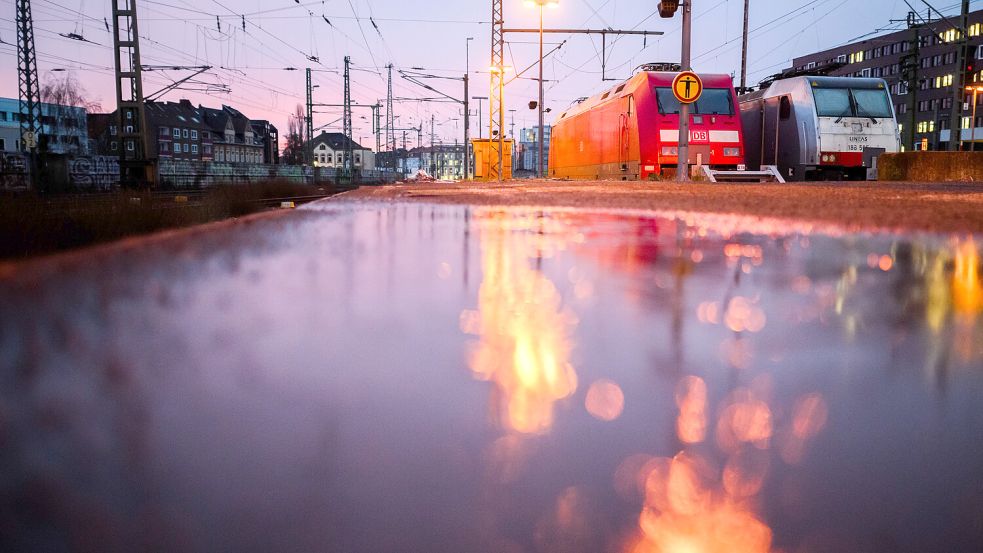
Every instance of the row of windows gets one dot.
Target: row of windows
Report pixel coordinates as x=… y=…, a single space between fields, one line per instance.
x=953 y=35
x=896 y=48
x=179 y=147
x=238 y=156
x=933 y=105
x=179 y=133
x=938 y=60
x=966 y=121
x=328 y=158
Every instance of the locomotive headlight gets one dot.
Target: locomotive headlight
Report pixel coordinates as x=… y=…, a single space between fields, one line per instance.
x=825 y=158
x=832 y=158
x=732 y=152
x=670 y=151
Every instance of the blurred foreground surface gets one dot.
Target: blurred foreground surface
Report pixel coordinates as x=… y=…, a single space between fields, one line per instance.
x=414 y=377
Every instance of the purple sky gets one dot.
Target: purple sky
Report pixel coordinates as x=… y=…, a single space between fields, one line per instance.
x=420 y=33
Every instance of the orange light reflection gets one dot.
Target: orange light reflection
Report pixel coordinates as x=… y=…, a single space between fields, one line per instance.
x=605 y=401
x=523 y=328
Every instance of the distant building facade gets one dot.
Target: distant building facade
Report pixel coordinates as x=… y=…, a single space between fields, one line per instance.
x=329 y=151
x=442 y=161
x=64 y=129
x=527 y=150
x=925 y=113
x=269 y=137
x=182 y=131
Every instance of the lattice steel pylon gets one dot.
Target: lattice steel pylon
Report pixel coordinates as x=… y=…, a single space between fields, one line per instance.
x=347 y=163
x=29 y=91
x=390 y=121
x=496 y=111
x=134 y=167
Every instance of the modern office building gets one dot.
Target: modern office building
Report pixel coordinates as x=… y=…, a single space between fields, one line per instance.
x=64 y=129
x=528 y=149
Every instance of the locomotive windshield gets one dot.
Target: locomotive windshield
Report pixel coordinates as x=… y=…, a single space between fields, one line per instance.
x=714 y=101
x=852 y=102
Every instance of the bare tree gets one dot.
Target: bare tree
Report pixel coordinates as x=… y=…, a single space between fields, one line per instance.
x=61 y=119
x=293 y=152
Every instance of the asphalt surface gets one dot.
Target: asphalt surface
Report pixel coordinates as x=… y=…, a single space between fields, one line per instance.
x=939 y=207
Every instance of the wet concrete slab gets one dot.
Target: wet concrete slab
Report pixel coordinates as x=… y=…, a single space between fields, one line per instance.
x=364 y=376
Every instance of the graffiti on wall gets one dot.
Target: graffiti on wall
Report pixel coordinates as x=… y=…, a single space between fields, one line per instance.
x=96 y=173
x=13 y=171
x=101 y=173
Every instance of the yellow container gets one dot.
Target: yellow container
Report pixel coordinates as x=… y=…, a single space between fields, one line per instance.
x=486 y=159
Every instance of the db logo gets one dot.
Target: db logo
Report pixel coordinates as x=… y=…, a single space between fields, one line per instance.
x=699 y=136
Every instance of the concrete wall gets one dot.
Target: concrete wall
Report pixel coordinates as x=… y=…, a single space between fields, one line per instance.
x=931 y=166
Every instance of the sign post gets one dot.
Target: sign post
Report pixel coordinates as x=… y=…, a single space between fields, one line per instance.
x=687 y=87
x=682 y=165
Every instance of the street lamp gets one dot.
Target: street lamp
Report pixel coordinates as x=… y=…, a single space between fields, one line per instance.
x=467 y=109
x=541 y=4
x=972 y=134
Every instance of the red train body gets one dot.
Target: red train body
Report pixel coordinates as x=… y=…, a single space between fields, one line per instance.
x=632 y=131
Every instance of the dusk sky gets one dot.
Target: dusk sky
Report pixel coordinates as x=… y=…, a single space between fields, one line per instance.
x=425 y=33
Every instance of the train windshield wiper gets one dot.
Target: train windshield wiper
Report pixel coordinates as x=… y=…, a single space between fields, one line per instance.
x=861 y=112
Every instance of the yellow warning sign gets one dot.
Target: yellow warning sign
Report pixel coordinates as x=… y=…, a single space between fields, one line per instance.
x=687 y=87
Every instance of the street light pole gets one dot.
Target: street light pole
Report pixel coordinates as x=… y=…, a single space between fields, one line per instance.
x=972 y=123
x=541 y=130
x=682 y=166
x=467 y=109
x=540 y=172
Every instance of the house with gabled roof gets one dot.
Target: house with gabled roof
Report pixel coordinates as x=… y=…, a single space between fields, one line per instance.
x=329 y=151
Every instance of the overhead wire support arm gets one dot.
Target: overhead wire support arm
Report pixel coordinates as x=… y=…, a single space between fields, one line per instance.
x=604 y=40
x=175 y=84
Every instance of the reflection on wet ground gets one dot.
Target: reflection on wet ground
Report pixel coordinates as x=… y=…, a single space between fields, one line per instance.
x=406 y=377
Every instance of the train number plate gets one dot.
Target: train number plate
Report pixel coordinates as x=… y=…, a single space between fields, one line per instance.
x=699 y=136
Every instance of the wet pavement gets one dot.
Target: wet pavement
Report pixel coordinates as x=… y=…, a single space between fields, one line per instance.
x=415 y=377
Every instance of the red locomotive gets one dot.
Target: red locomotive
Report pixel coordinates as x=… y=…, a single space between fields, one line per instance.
x=632 y=131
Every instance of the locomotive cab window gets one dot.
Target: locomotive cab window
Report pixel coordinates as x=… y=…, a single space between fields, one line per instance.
x=872 y=103
x=714 y=101
x=852 y=102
